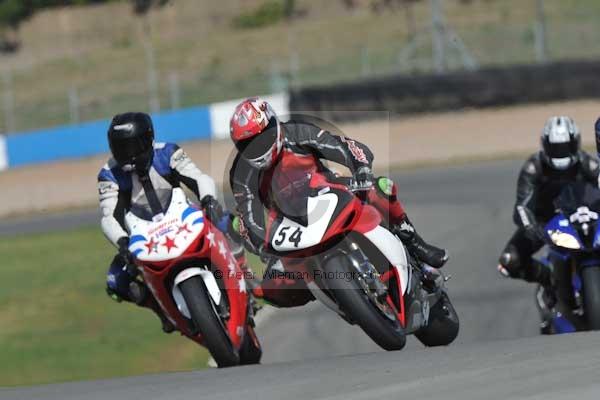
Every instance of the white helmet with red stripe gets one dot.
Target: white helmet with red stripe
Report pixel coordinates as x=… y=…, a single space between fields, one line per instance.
x=256 y=132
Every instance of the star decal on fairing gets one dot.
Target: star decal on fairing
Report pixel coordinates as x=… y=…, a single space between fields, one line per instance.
x=243 y=285
x=152 y=246
x=183 y=228
x=211 y=238
x=222 y=248
x=231 y=267
x=169 y=244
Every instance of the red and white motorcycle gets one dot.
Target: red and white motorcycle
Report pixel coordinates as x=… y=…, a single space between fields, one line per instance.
x=188 y=266
x=354 y=265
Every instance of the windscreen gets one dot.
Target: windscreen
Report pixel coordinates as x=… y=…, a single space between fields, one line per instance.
x=290 y=192
x=141 y=208
x=578 y=194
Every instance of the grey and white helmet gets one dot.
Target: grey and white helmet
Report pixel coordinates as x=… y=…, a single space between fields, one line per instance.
x=560 y=142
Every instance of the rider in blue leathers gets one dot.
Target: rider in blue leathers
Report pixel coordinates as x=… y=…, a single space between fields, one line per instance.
x=141 y=175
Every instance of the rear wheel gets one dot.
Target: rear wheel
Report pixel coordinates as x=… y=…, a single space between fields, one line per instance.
x=351 y=298
x=208 y=322
x=443 y=324
x=591 y=296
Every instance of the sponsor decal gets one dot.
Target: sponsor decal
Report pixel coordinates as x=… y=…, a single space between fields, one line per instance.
x=105 y=187
x=180 y=156
x=406 y=227
x=123 y=127
x=162 y=227
x=243 y=230
x=523 y=215
x=163 y=232
x=356 y=151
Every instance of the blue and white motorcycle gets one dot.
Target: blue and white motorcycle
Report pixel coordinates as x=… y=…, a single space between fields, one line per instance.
x=573 y=255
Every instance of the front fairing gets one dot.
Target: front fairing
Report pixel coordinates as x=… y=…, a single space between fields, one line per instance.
x=183 y=238
x=575 y=226
x=310 y=214
x=169 y=237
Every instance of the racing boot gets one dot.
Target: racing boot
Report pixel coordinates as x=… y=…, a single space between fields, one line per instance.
x=539 y=273
x=545 y=298
x=429 y=254
x=138 y=293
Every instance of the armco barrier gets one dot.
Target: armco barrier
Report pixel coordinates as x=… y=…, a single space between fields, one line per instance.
x=87 y=139
x=483 y=88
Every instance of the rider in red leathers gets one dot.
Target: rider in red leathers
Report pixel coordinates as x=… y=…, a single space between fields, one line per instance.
x=273 y=154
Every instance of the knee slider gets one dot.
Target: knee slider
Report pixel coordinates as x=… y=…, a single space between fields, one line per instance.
x=386 y=187
x=510 y=260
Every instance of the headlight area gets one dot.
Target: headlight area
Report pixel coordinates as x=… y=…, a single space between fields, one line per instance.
x=565 y=240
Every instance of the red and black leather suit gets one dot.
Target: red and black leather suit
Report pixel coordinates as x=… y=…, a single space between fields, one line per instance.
x=304 y=149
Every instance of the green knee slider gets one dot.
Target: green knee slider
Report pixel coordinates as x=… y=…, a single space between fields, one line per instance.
x=385 y=185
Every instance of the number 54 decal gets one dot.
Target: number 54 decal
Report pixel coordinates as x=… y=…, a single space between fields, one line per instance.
x=294 y=238
x=291 y=236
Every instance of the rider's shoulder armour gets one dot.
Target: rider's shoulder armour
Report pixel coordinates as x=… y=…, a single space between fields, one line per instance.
x=111 y=172
x=533 y=165
x=589 y=166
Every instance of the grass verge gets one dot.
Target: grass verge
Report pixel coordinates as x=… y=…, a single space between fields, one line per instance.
x=57 y=324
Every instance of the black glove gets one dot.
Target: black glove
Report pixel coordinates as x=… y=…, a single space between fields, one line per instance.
x=212 y=208
x=363 y=179
x=125 y=257
x=535 y=233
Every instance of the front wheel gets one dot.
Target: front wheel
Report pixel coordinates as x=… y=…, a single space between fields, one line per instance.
x=251 y=351
x=207 y=321
x=353 y=301
x=591 y=296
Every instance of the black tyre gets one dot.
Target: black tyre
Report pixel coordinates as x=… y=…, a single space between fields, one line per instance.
x=250 y=352
x=591 y=296
x=351 y=298
x=207 y=321
x=443 y=324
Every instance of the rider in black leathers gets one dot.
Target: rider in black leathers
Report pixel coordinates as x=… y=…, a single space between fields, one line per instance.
x=541 y=179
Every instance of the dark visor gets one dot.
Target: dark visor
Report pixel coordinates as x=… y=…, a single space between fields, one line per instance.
x=561 y=150
x=257 y=146
x=126 y=150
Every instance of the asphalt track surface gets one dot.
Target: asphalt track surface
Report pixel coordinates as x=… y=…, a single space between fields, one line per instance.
x=310 y=353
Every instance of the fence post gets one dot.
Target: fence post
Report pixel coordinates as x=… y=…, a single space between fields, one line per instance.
x=174 y=90
x=438 y=36
x=277 y=82
x=74 y=105
x=151 y=75
x=8 y=102
x=541 y=51
x=365 y=66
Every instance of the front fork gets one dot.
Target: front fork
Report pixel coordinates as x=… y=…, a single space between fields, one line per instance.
x=426 y=287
